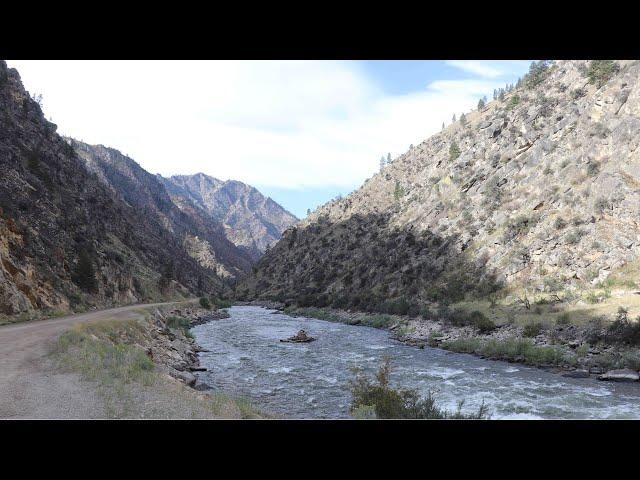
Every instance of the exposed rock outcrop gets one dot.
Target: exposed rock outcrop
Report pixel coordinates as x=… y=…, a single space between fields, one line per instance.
x=251 y=220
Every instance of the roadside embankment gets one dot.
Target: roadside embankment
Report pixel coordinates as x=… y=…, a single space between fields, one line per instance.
x=144 y=367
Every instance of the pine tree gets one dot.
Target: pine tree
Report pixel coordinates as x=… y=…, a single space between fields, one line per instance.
x=388 y=158
x=480 y=104
x=398 y=192
x=454 y=118
x=382 y=163
x=454 y=151
x=308 y=212
x=495 y=94
x=442 y=125
x=463 y=120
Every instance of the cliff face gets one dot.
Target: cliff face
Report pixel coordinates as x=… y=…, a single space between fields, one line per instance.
x=65 y=239
x=202 y=238
x=537 y=190
x=251 y=220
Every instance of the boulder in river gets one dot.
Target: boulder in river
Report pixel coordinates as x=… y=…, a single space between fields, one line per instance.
x=622 y=375
x=300 y=337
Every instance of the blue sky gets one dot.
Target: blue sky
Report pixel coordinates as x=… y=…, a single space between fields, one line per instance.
x=300 y=131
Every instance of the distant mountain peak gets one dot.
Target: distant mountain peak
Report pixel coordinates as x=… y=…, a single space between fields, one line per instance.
x=252 y=220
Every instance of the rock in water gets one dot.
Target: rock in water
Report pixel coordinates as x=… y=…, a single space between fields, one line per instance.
x=622 y=375
x=300 y=337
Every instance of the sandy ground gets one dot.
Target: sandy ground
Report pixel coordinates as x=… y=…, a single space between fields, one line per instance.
x=30 y=387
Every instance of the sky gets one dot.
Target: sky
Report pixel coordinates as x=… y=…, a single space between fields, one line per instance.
x=301 y=132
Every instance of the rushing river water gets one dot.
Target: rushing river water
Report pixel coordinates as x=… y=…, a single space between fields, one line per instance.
x=310 y=380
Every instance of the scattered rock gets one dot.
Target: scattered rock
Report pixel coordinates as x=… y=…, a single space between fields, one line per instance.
x=201 y=387
x=622 y=375
x=187 y=378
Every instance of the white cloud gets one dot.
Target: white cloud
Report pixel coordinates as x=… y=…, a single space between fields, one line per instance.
x=284 y=124
x=476 y=67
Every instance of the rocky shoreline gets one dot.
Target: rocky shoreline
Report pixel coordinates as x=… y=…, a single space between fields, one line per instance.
x=561 y=349
x=172 y=348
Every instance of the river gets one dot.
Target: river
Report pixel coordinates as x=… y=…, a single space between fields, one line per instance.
x=310 y=380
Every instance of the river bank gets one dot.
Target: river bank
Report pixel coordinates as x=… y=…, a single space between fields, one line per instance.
x=315 y=380
x=145 y=367
x=563 y=349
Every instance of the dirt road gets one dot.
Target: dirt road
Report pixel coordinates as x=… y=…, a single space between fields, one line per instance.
x=29 y=387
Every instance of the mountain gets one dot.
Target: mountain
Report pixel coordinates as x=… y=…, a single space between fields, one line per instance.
x=203 y=238
x=536 y=191
x=251 y=220
x=66 y=240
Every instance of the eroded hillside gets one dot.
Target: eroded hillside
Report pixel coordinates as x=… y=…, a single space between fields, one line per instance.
x=537 y=190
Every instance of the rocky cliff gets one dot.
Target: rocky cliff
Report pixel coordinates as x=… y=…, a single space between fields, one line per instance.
x=66 y=241
x=538 y=189
x=251 y=220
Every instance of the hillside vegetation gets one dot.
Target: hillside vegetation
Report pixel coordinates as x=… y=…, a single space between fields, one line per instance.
x=532 y=200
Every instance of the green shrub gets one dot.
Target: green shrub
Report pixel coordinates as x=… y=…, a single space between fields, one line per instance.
x=377 y=396
x=180 y=323
x=532 y=329
x=623 y=330
x=220 y=303
x=454 y=151
x=204 y=303
x=518 y=225
x=511 y=349
x=564 y=319
x=559 y=223
x=600 y=71
x=513 y=102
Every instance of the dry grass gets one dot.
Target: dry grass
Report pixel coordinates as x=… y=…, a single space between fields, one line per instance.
x=110 y=354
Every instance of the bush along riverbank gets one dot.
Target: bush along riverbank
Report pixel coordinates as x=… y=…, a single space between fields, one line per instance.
x=608 y=351
x=144 y=368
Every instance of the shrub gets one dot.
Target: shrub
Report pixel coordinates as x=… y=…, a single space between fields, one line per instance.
x=623 y=330
x=532 y=330
x=552 y=284
x=516 y=226
x=180 y=323
x=377 y=396
x=481 y=322
x=513 y=101
x=600 y=71
x=462 y=318
x=221 y=303
x=564 y=319
x=204 y=303
x=454 y=151
x=559 y=223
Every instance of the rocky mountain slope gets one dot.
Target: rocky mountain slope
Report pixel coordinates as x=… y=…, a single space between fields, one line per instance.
x=251 y=220
x=538 y=190
x=203 y=238
x=66 y=241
